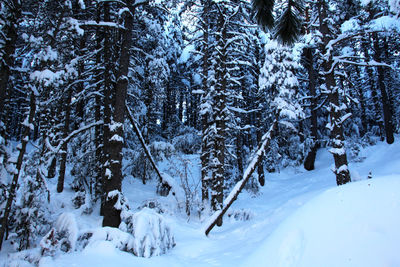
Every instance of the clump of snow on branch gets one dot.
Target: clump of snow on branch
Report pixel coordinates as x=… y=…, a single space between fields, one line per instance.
x=277 y=75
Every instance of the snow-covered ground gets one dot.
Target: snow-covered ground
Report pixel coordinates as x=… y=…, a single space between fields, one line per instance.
x=299 y=218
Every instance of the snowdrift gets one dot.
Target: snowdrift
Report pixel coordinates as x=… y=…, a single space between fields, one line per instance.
x=352 y=225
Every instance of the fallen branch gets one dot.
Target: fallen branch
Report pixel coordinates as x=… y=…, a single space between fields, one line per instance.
x=246 y=176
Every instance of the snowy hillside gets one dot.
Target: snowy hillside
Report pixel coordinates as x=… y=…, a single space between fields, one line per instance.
x=298 y=218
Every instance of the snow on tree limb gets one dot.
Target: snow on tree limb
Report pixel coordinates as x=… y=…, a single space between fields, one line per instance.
x=246 y=176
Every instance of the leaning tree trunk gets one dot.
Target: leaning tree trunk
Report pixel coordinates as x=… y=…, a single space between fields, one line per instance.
x=217 y=216
x=28 y=125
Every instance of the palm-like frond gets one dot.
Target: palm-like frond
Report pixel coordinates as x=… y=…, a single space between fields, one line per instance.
x=263 y=13
x=288 y=26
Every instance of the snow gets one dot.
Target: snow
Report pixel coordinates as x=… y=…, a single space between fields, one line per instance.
x=385 y=23
x=351 y=225
x=116 y=138
x=298 y=218
x=186 y=53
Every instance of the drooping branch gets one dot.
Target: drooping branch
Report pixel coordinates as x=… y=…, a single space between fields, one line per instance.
x=217 y=216
x=65 y=140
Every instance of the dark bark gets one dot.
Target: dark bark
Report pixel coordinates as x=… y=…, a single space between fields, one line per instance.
x=113 y=183
x=97 y=115
x=336 y=137
x=204 y=157
x=387 y=112
x=64 y=147
x=312 y=82
x=219 y=118
x=107 y=102
x=260 y=166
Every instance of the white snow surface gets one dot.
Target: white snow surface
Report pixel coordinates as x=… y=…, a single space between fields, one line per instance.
x=299 y=218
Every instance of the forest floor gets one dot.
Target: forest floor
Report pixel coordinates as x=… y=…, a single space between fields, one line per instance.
x=298 y=218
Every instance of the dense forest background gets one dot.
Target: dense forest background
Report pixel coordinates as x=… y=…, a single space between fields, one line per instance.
x=86 y=86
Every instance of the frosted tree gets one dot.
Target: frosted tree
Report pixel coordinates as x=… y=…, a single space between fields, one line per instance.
x=279 y=85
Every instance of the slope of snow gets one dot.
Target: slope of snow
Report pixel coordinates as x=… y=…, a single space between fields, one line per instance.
x=298 y=218
x=351 y=225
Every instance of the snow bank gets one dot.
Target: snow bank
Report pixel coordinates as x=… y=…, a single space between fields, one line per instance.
x=351 y=225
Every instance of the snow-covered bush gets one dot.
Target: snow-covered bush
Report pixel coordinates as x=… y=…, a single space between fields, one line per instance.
x=151 y=234
x=161 y=150
x=62 y=237
x=25 y=258
x=188 y=143
x=144 y=234
x=118 y=238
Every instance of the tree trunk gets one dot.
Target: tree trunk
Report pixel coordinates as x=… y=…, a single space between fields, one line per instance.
x=309 y=62
x=113 y=182
x=205 y=156
x=337 y=139
x=107 y=103
x=387 y=113
x=64 y=147
x=99 y=130
x=217 y=194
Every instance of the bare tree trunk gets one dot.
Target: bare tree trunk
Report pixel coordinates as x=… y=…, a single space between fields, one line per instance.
x=99 y=130
x=28 y=124
x=260 y=165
